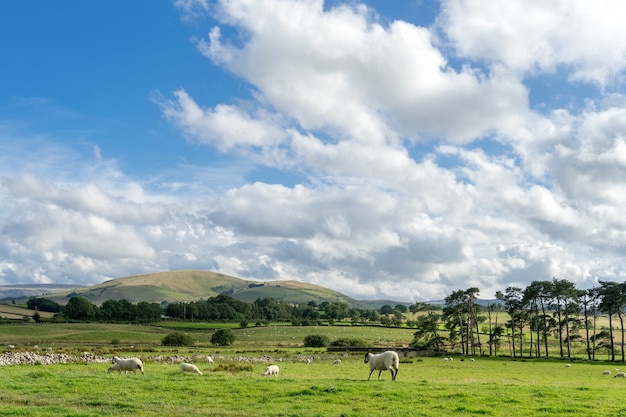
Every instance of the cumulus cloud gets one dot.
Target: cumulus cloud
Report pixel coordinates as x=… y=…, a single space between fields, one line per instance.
x=340 y=69
x=527 y=36
x=421 y=167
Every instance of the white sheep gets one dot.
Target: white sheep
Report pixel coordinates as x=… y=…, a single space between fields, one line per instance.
x=606 y=372
x=308 y=361
x=337 y=362
x=386 y=361
x=569 y=365
x=190 y=367
x=271 y=370
x=620 y=375
x=209 y=359
x=125 y=365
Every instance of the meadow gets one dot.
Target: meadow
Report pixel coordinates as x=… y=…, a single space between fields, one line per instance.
x=426 y=386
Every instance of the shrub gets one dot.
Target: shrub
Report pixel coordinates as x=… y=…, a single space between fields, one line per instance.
x=316 y=340
x=349 y=341
x=177 y=339
x=223 y=337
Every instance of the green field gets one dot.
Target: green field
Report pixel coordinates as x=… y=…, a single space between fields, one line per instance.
x=234 y=386
x=425 y=387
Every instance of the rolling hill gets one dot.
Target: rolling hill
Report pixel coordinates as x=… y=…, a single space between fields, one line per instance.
x=191 y=285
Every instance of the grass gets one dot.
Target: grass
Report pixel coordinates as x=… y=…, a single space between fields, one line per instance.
x=425 y=387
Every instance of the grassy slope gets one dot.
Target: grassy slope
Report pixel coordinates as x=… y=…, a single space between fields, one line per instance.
x=173 y=286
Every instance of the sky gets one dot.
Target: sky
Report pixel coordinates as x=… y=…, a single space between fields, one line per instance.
x=395 y=150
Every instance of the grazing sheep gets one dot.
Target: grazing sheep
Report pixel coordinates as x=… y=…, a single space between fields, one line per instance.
x=190 y=367
x=606 y=372
x=308 y=361
x=446 y=359
x=209 y=359
x=472 y=360
x=569 y=365
x=620 y=375
x=125 y=365
x=386 y=361
x=337 y=362
x=271 y=370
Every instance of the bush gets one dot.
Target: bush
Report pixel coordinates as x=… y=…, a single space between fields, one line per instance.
x=177 y=339
x=349 y=341
x=223 y=337
x=316 y=340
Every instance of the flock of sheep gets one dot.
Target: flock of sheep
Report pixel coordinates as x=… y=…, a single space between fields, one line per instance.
x=386 y=361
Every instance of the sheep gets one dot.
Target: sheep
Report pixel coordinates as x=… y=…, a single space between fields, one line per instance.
x=606 y=372
x=131 y=364
x=271 y=370
x=569 y=365
x=620 y=375
x=472 y=360
x=308 y=361
x=386 y=361
x=209 y=359
x=337 y=362
x=190 y=367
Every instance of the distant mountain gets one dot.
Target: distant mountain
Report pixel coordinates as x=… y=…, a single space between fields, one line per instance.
x=9 y=292
x=192 y=285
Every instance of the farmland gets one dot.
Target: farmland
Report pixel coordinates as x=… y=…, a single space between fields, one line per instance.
x=233 y=386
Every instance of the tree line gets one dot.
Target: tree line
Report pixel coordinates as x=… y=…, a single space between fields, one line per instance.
x=545 y=311
x=544 y=317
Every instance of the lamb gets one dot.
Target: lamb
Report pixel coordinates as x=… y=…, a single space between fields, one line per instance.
x=271 y=370
x=386 y=361
x=125 y=365
x=337 y=362
x=606 y=372
x=190 y=367
x=620 y=375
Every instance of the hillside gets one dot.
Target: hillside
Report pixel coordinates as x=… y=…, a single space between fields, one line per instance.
x=190 y=285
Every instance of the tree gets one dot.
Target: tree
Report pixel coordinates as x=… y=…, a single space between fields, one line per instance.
x=43 y=304
x=589 y=299
x=223 y=337
x=386 y=309
x=564 y=294
x=610 y=304
x=455 y=314
x=79 y=308
x=513 y=303
x=536 y=296
x=427 y=334
x=401 y=308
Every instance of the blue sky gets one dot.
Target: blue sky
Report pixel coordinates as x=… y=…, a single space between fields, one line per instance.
x=383 y=149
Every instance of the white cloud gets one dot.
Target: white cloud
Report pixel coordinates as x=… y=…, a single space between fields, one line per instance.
x=339 y=69
x=225 y=127
x=424 y=171
x=536 y=35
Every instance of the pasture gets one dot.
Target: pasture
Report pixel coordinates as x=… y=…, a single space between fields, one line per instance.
x=425 y=387
x=234 y=385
